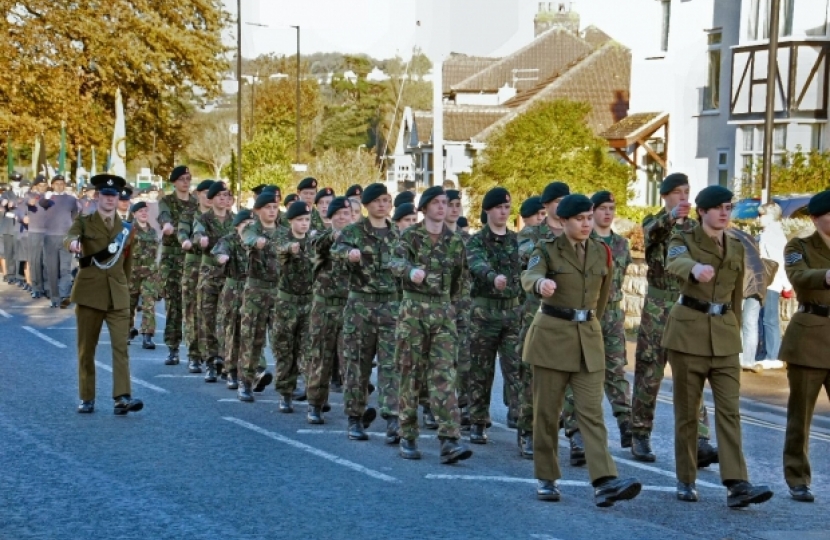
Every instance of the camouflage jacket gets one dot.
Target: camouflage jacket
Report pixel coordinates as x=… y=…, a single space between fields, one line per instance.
x=317 y=223
x=490 y=255
x=185 y=230
x=529 y=238
x=331 y=276
x=143 y=250
x=621 y=257
x=171 y=210
x=657 y=231
x=237 y=265
x=444 y=261
x=371 y=274
x=211 y=227
x=297 y=269
x=263 y=263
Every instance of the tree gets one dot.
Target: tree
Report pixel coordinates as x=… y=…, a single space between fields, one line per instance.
x=550 y=141
x=212 y=141
x=339 y=169
x=798 y=172
x=266 y=159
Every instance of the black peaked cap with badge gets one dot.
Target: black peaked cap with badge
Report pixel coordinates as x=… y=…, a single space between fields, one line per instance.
x=108 y=184
x=573 y=205
x=297 y=209
x=429 y=194
x=126 y=193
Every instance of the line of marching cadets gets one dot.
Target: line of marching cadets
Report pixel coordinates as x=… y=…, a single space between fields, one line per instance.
x=337 y=294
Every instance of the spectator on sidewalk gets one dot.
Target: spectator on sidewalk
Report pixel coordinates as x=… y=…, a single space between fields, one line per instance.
x=772 y=242
x=754 y=295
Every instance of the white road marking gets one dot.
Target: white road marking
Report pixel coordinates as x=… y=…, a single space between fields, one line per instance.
x=195 y=376
x=44 y=337
x=257 y=400
x=322 y=431
x=517 y=480
x=139 y=382
x=4 y=314
x=103 y=329
x=671 y=474
x=313 y=451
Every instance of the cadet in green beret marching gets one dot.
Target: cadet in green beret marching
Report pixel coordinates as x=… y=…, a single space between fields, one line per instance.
x=807 y=262
x=321 y=204
x=404 y=216
x=307 y=192
x=144 y=281
x=354 y=192
x=572 y=275
x=703 y=341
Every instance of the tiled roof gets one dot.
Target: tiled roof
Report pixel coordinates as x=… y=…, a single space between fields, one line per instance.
x=460 y=123
x=460 y=66
x=631 y=126
x=595 y=36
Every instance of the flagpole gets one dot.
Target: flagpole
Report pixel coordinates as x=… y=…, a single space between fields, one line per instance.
x=62 y=154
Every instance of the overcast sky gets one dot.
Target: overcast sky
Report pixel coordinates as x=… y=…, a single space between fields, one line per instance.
x=383 y=28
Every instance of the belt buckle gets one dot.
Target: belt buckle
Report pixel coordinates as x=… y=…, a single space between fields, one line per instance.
x=715 y=309
x=580 y=315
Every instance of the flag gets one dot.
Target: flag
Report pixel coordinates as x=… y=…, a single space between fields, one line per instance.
x=41 y=167
x=118 y=153
x=94 y=170
x=62 y=154
x=9 y=156
x=35 y=156
x=79 y=171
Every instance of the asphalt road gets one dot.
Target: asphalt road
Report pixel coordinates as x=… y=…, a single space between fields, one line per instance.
x=198 y=464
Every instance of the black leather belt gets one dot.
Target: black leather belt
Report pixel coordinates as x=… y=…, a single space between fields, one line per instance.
x=814 y=309
x=576 y=315
x=709 y=308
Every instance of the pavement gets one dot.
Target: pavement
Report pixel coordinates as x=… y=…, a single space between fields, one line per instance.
x=198 y=464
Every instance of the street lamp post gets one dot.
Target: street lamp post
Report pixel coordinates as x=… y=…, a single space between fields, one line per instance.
x=297 y=27
x=769 y=117
x=239 y=98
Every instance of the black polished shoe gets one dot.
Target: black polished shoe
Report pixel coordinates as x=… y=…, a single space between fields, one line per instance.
x=299 y=394
x=147 y=342
x=802 y=493
x=409 y=449
x=706 y=453
x=133 y=333
x=392 y=427
x=125 y=404
x=452 y=452
x=219 y=366
x=65 y=301
x=577 y=449
x=512 y=419
x=525 y=440
x=477 y=434
x=625 y=434
x=368 y=417
x=326 y=407
x=244 y=392
x=356 y=430
x=314 y=415
x=687 y=491
x=429 y=419
x=285 y=405
x=548 y=490
x=262 y=380
x=194 y=365
x=616 y=489
x=172 y=358
x=641 y=448
x=743 y=494
x=233 y=380
x=210 y=374
x=87 y=407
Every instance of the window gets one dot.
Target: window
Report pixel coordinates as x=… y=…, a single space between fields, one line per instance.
x=664 y=34
x=723 y=169
x=752 y=150
x=758 y=22
x=816 y=131
x=711 y=92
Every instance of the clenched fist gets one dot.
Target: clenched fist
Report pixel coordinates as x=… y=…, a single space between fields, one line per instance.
x=260 y=242
x=500 y=282
x=703 y=272
x=417 y=275
x=354 y=255
x=167 y=229
x=295 y=248
x=222 y=259
x=204 y=241
x=187 y=245
x=547 y=287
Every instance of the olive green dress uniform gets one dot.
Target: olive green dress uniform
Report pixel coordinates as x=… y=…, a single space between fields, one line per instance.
x=705 y=347
x=101 y=296
x=580 y=353
x=805 y=349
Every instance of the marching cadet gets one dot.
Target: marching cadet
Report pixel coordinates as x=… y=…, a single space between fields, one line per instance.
x=101 y=294
x=172 y=208
x=405 y=216
x=290 y=198
x=533 y=211
x=572 y=274
x=59 y=208
x=357 y=210
x=36 y=200
x=307 y=192
x=144 y=281
x=703 y=341
x=663 y=290
x=232 y=255
x=431 y=260
x=807 y=262
x=404 y=197
x=331 y=291
x=190 y=277
x=321 y=204
x=354 y=192
x=259 y=295
x=370 y=315
x=493 y=256
x=208 y=228
x=123 y=208
x=464 y=225
x=21 y=238
x=8 y=223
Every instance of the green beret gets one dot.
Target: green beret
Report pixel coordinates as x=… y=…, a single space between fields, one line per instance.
x=354 y=191
x=297 y=209
x=553 y=191
x=462 y=222
x=573 y=205
x=307 y=183
x=372 y=192
x=337 y=203
x=495 y=197
x=264 y=198
x=483 y=217
x=204 y=185
x=429 y=194
x=242 y=215
x=273 y=188
x=602 y=197
x=138 y=206
x=290 y=198
x=453 y=195
x=713 y=196
x=406 y=209
x=257 y=190
x=216 y=189
x=673 y=181
x=819 y=204
x=325 y=192
x=531 y=207
x=178 y=172
x=403 y=197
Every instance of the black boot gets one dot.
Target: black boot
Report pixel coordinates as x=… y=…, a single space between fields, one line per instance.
x=577 y=449
x=525 y=439
x=87 y=406
x=392 y=426
x=368 y=417
x=262 y=380
x=194 y=365
x=314 y=415
x=125 y=404
x=742 y=494
x=210 y=373
x=548 y=490
x=452 y=452
x=429 y=418
x=244 y=393
x=219 y=366
x=478 y=434
x=611 y=490
x=641 y=447
x=147 y=342
x=356 y=431
x=172 y=358
x=409 y=449
x=625 y=434
x=286 y=406
x=512 y=418
x=687 y=491
x=233 y=380
x=133 y=331
x=299 y=392
x=802 y=493
x=706 y=453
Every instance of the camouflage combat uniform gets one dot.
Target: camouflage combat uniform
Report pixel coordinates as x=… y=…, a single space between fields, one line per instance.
x=369 y=317
x=495 y=319
x=190 y=280
x=211 y=282
x=171 y=210
x=663 y=291
x=289 y=328
x=317 y=223
x=144 y=282
x=463 y=305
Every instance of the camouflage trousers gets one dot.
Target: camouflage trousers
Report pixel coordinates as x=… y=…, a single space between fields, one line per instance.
x=144 y=286
x=190 y=304
x=650 y=366
x=324 y=344
x=208 y=291
x=229 y=321
x=525 y=419
x=369 y=330
x=256 y=318
x=492 y=331
x=171 y=267
x=462 y=325
x=425 y=354
x=289 y=340
x=616 y=386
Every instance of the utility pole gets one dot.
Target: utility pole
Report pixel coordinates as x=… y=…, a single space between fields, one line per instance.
x=239 y=98
x=297 y=27
x=769 y=117
x=253 y=103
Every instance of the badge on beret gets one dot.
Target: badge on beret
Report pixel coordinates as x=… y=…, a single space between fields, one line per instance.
x=677 y=250
x=533 y=261
x=109 y=182
x=793 y=258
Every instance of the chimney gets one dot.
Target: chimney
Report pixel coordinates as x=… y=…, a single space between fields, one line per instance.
x=555 y=15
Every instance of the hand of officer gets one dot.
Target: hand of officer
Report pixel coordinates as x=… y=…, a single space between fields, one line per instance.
x=681 y=211
x=75 y=246
x=204 y=241
x=354 y=255
x=222 y=259
x=547 y=287
x=260 y=242
x=703 y=272
x=417 y=275
x=500 y=282
x=167 y=229
x=186 y=245
x=827 y=277
x=295 y=248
